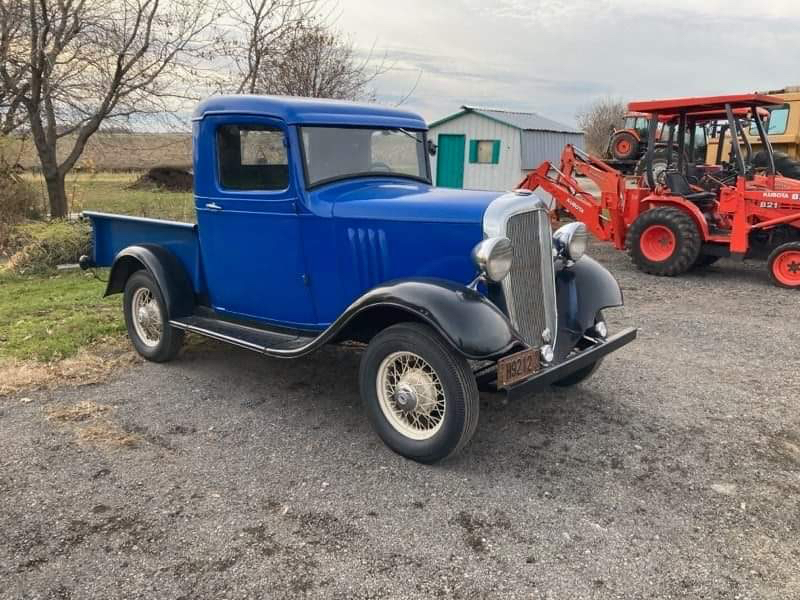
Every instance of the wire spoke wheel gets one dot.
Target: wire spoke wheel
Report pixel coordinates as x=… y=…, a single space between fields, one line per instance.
x=411 y=395
x=146 y=315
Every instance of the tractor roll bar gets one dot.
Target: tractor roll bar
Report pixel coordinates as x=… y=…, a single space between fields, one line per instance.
x=762 y=134
x=735 y=133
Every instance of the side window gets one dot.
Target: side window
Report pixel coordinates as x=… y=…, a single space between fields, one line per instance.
x=484 y=151
x=778 y=119
x=252 y=157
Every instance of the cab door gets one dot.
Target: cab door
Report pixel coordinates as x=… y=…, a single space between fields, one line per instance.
x=249 y=231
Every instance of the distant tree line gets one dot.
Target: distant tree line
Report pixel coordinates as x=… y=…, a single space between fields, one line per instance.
x=71 y=68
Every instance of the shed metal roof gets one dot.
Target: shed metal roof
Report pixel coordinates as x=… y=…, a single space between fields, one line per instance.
x=526 y=121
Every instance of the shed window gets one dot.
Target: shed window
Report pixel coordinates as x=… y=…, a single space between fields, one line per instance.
x=484 y=151
x=252 y=157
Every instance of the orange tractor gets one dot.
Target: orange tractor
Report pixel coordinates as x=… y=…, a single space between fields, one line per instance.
x=688 y=214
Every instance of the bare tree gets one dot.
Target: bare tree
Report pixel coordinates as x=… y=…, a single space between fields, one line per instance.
x=258 y=31
x=598 y=120
x=69 y=66
x=319 y=62
x=14 y=66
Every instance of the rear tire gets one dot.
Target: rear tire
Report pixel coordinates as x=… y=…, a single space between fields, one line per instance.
x=784 y=265
x=664 y=241
x=660 y=157
x=147 y=320
x=420 y=395
x=784 y=164
x=624 y=145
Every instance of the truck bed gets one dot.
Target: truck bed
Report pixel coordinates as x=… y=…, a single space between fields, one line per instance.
x=112 y=233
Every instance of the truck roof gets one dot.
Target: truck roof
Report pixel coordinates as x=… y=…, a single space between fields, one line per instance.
x=310 y=111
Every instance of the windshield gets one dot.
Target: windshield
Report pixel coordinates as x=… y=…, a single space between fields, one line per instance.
x=332 y=153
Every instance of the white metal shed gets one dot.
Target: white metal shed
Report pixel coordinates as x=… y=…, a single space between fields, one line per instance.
x=492 y=149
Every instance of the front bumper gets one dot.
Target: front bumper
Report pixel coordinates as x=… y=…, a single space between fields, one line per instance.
x=575 y=362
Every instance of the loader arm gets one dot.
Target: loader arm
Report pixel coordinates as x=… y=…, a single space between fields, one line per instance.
x=602 y=215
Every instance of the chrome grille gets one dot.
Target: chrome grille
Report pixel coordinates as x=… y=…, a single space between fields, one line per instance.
x=529 y=288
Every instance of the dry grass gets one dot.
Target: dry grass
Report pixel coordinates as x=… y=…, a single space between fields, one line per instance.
x=76 y=413
x=114 y=151
x=89 y=366
x=90 y=423
x=108 y=433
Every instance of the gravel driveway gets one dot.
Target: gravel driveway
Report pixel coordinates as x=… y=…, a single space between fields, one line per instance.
x=673 y=473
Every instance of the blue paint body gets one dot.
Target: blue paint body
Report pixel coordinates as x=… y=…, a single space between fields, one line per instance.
x=296 y=257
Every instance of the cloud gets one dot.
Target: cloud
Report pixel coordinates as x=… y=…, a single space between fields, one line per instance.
x=555 y=56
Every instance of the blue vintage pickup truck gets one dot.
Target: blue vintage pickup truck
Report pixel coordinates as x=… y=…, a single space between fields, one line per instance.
x=317 y=223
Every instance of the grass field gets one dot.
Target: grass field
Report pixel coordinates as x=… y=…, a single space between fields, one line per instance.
x=111 y=151
x=49 y=317
x=52 y=315
x=109 y=192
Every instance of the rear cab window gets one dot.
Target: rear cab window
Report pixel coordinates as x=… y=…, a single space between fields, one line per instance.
x=778 y=120
x=252 y=158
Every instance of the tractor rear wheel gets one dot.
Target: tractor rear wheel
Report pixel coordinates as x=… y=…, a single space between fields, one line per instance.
x=784 y=164
x=784 y=265
x=664 y=241
x=624 y=145
x=660 y=159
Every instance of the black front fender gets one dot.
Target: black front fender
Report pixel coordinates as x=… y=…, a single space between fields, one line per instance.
x=582 y=290
x=474 y=326
x=164 y=267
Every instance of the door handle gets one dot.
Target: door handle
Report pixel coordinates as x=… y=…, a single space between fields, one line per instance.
x=213 y=206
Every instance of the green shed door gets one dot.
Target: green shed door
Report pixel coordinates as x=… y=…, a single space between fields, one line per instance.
x=450 y=161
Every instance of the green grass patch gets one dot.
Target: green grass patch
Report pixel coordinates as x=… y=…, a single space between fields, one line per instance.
x=109 y=192
x=50 y=317
x=47 y=315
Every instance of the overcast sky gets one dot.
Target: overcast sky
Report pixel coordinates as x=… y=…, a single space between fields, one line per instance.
x=553 y=57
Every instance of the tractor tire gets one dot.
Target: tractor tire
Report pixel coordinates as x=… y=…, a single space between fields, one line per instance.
x=664 y=241
x=624 y=146
x=784 y=265
x=784 y=164
x=660 y=157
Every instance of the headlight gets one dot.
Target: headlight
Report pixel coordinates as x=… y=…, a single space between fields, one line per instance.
x=493 y=258
x=570 y=240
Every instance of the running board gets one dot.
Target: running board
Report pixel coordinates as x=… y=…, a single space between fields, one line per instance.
x=271 y=343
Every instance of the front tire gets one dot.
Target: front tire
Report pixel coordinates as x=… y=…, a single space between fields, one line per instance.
x=420 y=395
x=664 y=241
x=147 y=320
x=582 y=374
x=784 y=265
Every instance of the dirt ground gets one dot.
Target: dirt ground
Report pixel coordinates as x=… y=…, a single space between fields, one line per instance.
x=673 y=473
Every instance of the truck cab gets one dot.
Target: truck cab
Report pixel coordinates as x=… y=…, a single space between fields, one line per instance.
x=317 y=223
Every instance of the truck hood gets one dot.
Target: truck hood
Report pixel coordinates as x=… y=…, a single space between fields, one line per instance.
x=401 y=201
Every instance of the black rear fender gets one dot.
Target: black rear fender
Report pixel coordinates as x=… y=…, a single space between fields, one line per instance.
x=164 y=267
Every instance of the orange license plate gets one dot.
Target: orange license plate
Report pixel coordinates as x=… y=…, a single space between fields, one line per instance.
x=517 y=367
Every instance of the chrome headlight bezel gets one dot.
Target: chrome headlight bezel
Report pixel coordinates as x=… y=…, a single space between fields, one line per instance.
x=493 y=257
x=570 y=241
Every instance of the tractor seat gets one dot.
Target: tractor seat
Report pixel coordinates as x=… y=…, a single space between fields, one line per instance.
x=679 y=185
